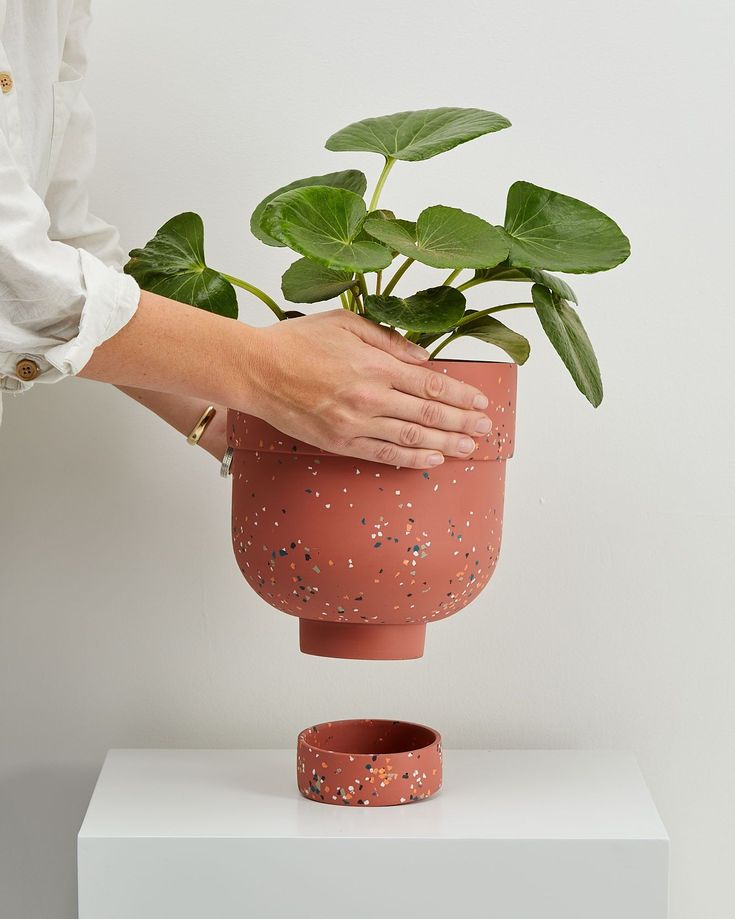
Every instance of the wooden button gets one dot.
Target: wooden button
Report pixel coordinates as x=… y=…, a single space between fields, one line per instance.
x=6 y=82
x=27 y=369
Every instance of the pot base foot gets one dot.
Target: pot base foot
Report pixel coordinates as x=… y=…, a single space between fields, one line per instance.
x=362 y=642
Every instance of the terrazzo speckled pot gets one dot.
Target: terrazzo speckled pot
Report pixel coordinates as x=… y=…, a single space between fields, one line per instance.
x=368 y=762
x=367 y=554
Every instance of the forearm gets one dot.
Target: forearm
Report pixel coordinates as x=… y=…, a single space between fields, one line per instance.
x=182 y=413
x=169 y=347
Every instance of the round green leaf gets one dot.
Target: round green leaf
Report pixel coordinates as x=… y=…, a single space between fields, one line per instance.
x=309 y=282
x=434 y=310
x=399 y=234
x=491 y=330
x=443 y=237
x=550 y=230
x=417 y=135
x=172 y=265
x=507 y=273
x=324 y=225
x=379 y=214
x=351 y=179
x=566 y=333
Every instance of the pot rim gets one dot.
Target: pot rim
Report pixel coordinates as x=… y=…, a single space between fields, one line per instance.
x=461 y=360
x=302 y=739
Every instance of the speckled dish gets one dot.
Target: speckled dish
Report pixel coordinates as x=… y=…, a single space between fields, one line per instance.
x=369 y=762
x=366 y=554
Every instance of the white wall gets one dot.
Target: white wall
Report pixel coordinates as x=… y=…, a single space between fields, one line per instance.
x=124 y=619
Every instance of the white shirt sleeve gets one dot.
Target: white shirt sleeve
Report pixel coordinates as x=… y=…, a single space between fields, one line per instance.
x=61 y=289
x=67 y=198
x=71 y=165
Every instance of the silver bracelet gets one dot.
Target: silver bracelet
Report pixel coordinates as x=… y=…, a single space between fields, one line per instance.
x=225 y=469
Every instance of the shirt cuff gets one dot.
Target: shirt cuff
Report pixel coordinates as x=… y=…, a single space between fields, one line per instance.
x=110 y=303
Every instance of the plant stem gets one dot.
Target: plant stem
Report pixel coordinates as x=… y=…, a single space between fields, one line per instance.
x=257 y=292
x=472 y=282
x=378 y=281
x=389 y=161
x=493 y=309
x=362 y=285
x=457 y=333
x=345 y=302
x=451 y=277
x=357 y=303
x=442 y=345
x=398 y=275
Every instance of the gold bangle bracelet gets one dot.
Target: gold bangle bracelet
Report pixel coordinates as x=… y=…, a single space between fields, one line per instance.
x=201 y=426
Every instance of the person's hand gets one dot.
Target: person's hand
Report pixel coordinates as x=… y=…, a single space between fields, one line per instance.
x=332 y=379
x=344 y=384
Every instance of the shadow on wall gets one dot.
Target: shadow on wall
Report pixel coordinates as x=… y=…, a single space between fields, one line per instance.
x=41 y=810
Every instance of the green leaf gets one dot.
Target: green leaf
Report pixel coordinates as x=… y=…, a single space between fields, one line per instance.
x=399 y=234
x=434 y=310
x=417 y=135
x=556 y=284
x=566 y=333
x=550 y=230
x=379 y=214
x=351 y=179
x=489 y=329
x=324 y=225
x=508 y=273
x=502 y=272
x=443 y=237
x=309 y=282
x=172 y=265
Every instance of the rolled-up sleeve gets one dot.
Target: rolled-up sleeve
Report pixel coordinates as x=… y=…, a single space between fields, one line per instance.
x=58 y=302
x=62 y=291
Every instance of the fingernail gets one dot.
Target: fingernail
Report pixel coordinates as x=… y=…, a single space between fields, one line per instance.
x=436 y=459
x=483 y=426
x=466 y=445
x=480 y=401
x=417 y=351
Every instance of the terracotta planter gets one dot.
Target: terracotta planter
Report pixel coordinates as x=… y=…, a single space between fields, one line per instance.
x=366 y=554
x=365 y=763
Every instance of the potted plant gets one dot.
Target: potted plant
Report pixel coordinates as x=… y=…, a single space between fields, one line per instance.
x=365 y=554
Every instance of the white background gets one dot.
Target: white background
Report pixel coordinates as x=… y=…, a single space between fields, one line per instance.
x=125 y=621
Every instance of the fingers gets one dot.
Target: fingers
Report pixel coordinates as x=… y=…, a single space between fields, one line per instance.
x=424 y=382
x=391 y=454
x=415 y=437
x=438 y=387
x=435 y=415
x=379 y=336
x=389 y=406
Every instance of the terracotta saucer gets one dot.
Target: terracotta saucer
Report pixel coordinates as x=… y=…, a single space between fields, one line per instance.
x=369 y=762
